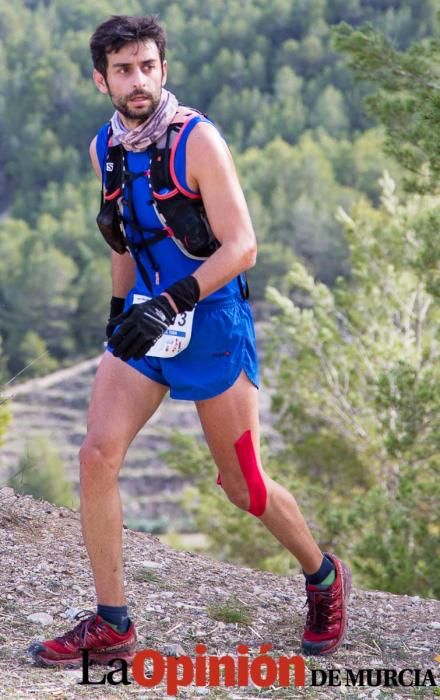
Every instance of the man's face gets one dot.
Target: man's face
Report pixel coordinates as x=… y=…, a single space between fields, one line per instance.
x=134 y=81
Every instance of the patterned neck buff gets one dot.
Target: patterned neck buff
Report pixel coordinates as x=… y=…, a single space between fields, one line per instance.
x=149 y=132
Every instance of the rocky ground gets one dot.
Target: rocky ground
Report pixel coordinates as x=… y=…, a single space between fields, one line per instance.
x=178 y=599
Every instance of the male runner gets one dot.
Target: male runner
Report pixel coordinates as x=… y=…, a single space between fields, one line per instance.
x=179 y=321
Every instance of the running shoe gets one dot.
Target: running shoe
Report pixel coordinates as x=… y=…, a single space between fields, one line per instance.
x=102 y=641
x=326 y=621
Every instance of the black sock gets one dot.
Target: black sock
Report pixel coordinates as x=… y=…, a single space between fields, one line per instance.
x=326 y=568
x=117 y=617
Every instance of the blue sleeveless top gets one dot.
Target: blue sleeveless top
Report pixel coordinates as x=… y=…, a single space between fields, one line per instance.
x=172 y=263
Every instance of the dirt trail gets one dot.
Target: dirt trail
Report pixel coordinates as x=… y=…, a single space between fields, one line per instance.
x=171 y=597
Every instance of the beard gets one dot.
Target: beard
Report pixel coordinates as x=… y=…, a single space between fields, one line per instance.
x=140 y=115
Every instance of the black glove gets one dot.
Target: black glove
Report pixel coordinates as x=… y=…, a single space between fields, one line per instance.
x=116 y=308
x=140 y=327
x=185 y=293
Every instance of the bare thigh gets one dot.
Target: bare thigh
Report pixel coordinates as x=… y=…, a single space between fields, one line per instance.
x=224 y=419
x=122 y=401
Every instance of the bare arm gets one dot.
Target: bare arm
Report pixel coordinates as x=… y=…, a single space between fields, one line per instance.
x=212 y=171
x=123 y=266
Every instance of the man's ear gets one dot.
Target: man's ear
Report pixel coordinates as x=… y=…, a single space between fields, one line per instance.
x=100 y=82
x=164 y=73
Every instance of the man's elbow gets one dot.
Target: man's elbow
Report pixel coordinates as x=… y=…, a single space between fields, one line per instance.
x=243 y=251
x=250 y=255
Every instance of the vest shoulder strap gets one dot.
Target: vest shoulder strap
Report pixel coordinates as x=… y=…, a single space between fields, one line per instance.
x=163 y=163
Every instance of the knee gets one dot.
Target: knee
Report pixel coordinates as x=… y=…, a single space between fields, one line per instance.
x=97 y=462
x=251 y=497
x=239 y=497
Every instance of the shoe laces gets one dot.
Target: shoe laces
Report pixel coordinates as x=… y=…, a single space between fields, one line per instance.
x=87 y=619
x=324 y=608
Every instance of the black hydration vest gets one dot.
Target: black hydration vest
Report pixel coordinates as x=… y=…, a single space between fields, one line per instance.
x=183 y=218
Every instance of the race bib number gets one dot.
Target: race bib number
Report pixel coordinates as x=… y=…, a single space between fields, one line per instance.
x=176 y=338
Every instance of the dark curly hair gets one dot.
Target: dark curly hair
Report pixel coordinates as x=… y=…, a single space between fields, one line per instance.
x=120 y=30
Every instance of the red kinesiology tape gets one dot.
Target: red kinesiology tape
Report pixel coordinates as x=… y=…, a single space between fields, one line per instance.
x=249 y=467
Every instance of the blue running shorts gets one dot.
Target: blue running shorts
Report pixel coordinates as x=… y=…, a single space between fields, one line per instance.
x=222 y=346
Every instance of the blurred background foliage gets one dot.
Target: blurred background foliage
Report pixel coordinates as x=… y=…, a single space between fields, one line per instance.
x=41 y=472
x=266 y=72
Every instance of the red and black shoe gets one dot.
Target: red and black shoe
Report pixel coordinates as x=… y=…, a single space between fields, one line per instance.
x=326 y=622
x=102 y=641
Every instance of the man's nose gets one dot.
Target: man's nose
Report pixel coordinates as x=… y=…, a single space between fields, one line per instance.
x=139 y=78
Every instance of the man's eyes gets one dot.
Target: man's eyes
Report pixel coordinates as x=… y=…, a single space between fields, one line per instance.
x=126 y=69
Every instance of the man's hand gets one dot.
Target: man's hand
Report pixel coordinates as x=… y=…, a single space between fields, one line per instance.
x=140 y=327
